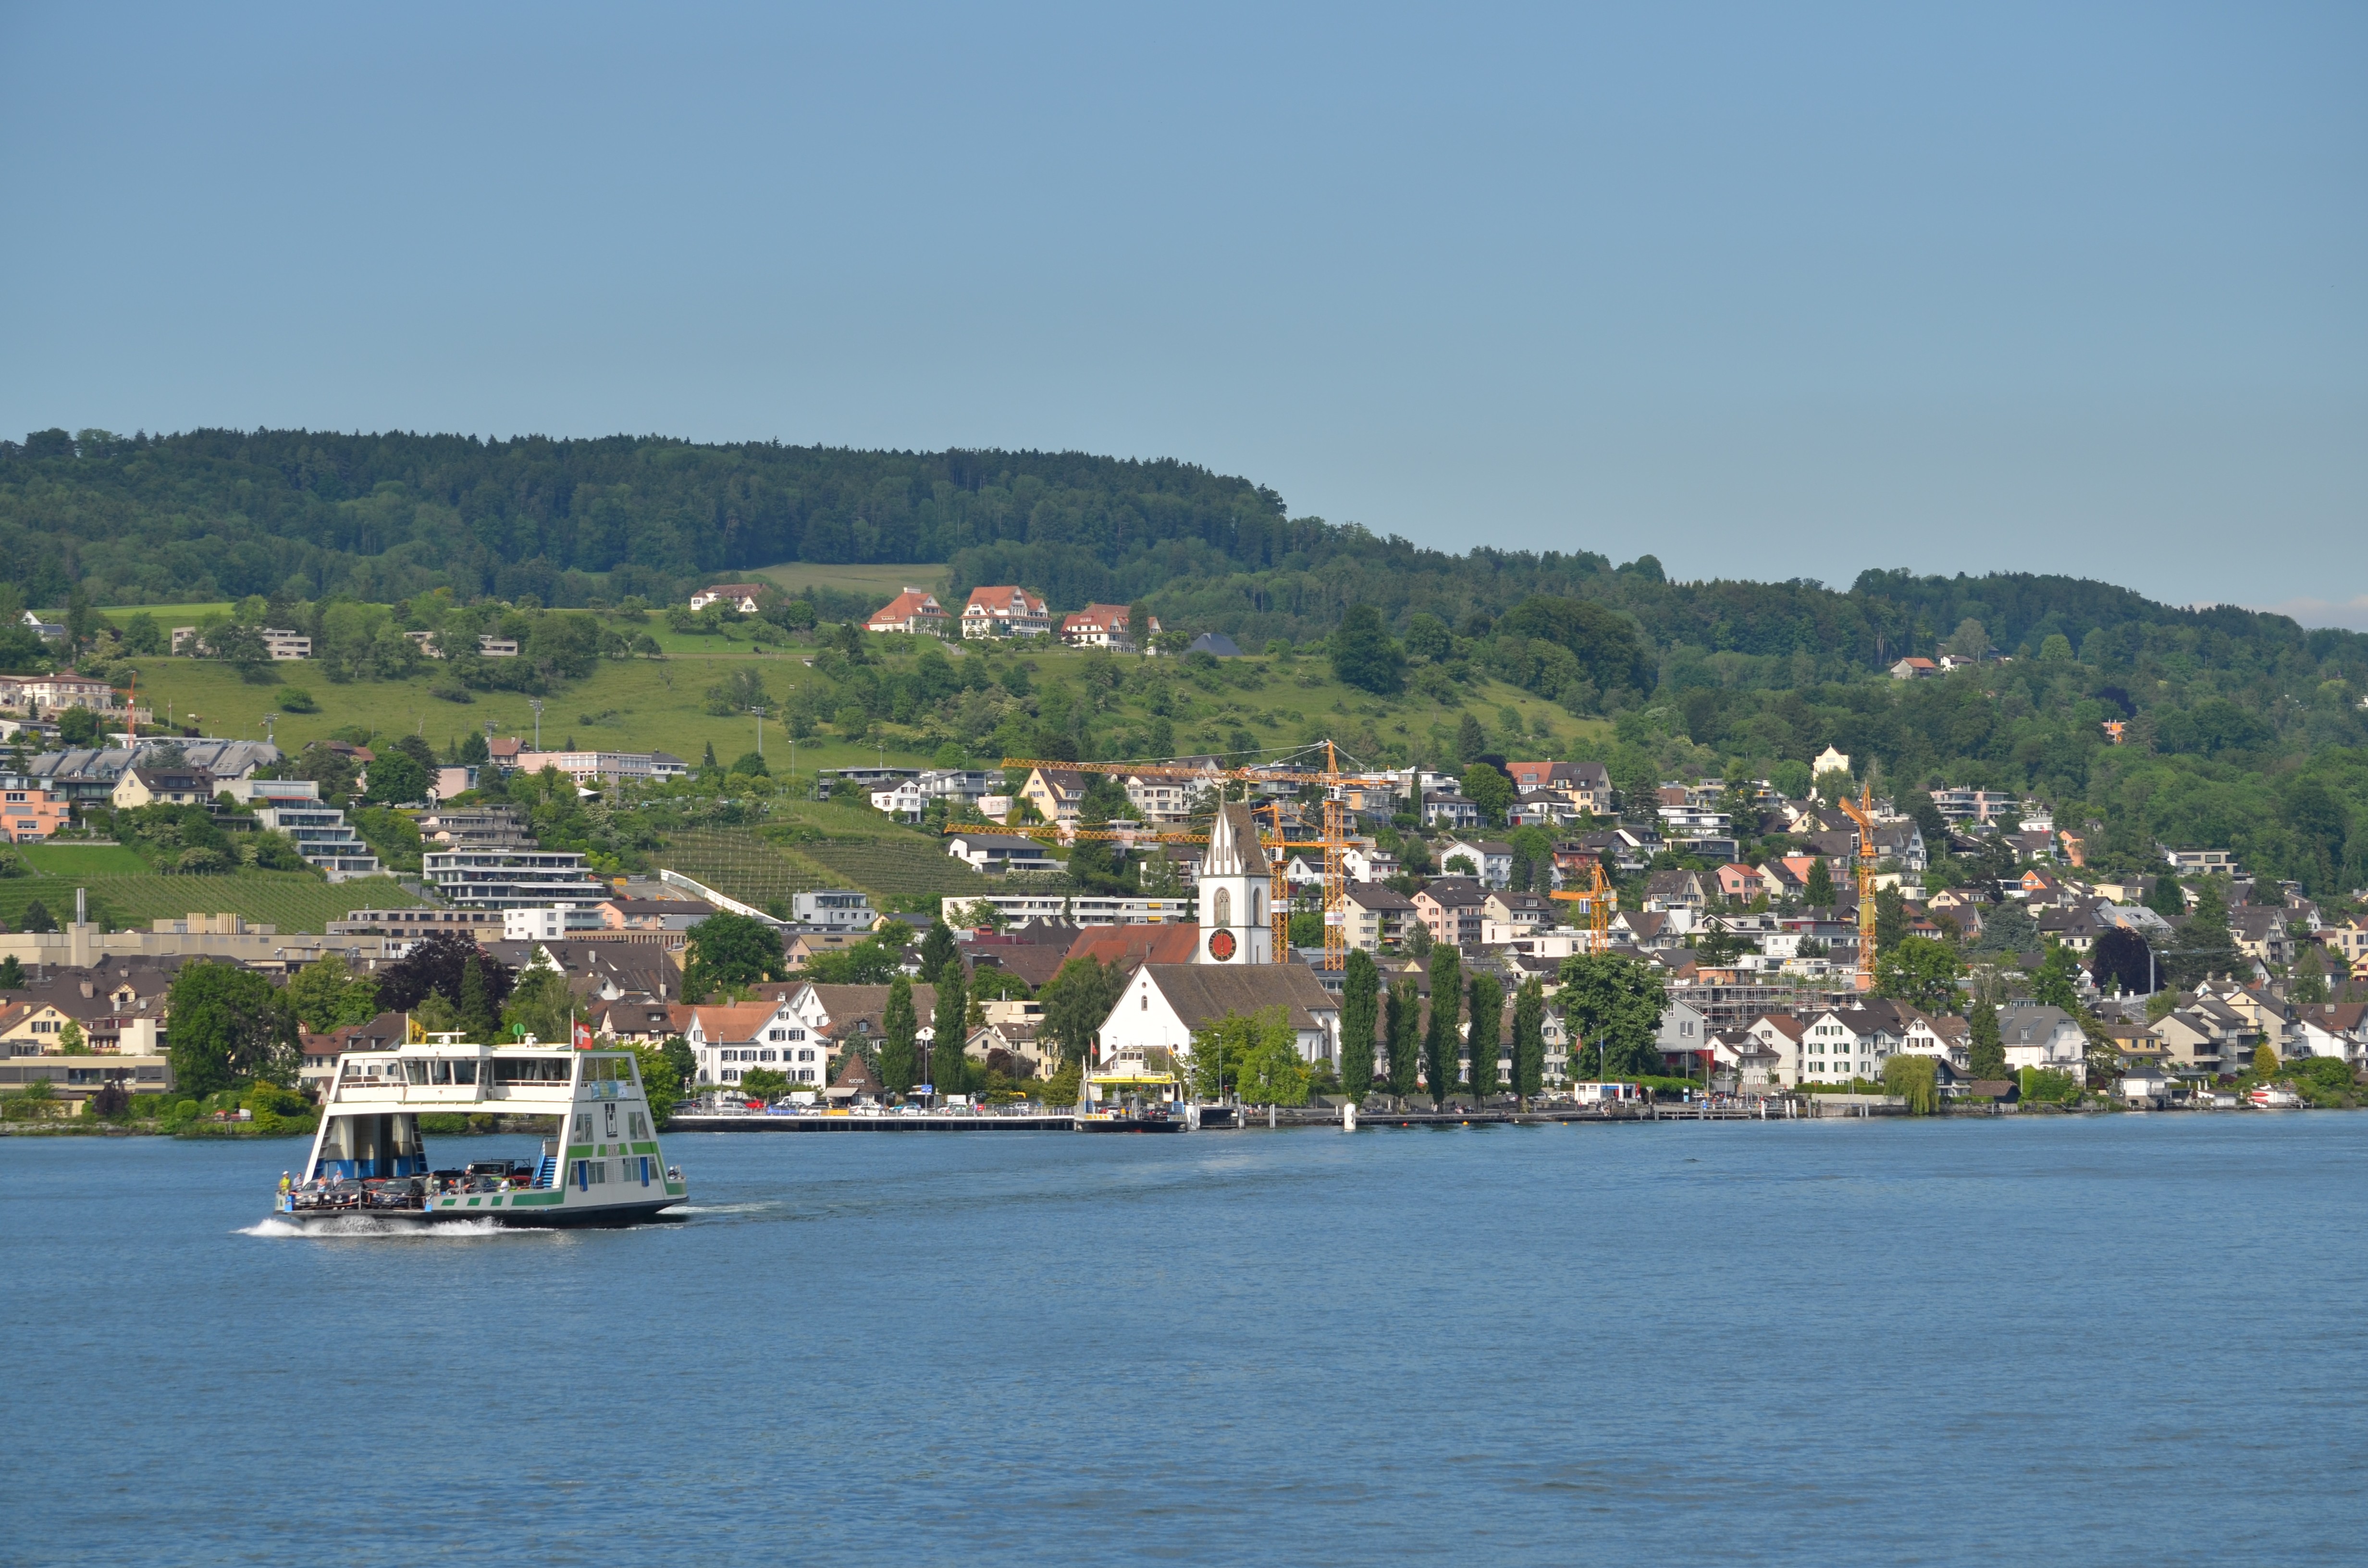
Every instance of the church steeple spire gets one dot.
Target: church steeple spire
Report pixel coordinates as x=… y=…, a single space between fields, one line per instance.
x=1233 y=886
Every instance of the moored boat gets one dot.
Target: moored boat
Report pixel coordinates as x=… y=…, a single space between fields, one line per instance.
x=371 y=1161
x=1132 y=1102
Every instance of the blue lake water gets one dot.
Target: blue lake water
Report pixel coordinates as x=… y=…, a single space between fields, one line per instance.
x=2128 y=1339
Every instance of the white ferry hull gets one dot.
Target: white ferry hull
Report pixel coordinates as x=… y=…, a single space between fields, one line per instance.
x=360 y=1222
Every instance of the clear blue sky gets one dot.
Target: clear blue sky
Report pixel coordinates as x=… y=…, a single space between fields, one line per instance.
x=1768 y=291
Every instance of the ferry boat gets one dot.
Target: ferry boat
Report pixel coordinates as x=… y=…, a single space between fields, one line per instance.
x=1132 y=1102
x=368 y=1157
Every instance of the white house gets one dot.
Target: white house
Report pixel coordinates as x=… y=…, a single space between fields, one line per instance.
x=1783 y=1035
x=2036 y=1036
x=740 y=596
x=1946 y=1038
x=1004 y=611
x=1840 y=1044
x=1492 y=862
x=904 y=800
x=1684 y=1030
x=2336 y=1029
x=836 y=909
x=728 y=1041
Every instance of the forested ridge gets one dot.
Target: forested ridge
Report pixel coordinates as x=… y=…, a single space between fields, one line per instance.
x=223 y=513
x=2239 y=727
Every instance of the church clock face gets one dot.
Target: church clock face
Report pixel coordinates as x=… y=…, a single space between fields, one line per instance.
x=1221 y=946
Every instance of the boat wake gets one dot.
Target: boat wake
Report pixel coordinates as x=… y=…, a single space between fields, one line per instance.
x=348 y=1225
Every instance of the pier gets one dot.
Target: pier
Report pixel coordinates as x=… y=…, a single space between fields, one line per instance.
x=1251 y=1118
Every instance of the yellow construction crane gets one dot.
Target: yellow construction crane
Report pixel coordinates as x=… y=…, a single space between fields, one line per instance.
x=1595 y=902
x=1862 y=812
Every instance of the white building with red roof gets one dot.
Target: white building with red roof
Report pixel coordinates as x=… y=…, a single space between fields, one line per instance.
x=1102 y=626
x=914 y=610
x=1004 y=611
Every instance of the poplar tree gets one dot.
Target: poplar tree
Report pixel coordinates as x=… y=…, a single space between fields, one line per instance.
x=1406 y=1020
x=1985 y=1050
x=1446 y=1006
x=1360 y=984
x=948 y=1068
x=1487 y=1032
x=898 y=1060
x=1530 y=1039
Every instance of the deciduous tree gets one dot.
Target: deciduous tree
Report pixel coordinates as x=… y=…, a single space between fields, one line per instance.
x=229 y=1025
x=1919 y=971
x=1613 y=1008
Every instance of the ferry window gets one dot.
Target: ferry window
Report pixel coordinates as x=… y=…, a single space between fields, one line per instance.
x=443 y=1071
x=464 y=1072
x=417 y=1072
x=583 y=1125
x=641 y=1128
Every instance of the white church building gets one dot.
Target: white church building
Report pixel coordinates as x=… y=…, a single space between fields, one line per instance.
x=1235 y=967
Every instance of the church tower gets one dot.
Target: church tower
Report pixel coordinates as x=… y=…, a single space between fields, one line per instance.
x=1235 y=927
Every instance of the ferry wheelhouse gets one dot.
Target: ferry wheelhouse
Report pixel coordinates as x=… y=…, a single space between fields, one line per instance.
x=604 y=1166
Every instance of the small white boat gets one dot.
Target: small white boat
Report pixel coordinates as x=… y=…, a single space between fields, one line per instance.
x=2269 y=1096
x=369 y=1159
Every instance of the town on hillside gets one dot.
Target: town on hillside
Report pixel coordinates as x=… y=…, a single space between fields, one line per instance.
x=1517 y=930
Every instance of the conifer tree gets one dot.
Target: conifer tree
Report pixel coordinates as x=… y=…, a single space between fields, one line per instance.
x=1359 y=1001
x=1530 y=1039
x=1446 y=1006
x=937 y=949
x=1820 y=893
x=1406 y=1021
x=1487 y=1033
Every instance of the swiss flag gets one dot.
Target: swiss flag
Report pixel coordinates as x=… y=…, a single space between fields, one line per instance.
x=582 y=1035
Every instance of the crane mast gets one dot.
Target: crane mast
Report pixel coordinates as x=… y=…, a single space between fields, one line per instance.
x=1862 y=812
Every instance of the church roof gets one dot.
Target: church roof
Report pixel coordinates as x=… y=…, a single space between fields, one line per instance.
x=1233 y=847
x=1202 y=993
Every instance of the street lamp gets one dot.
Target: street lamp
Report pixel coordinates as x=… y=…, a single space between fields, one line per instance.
x=536 y=703
x=758 y=709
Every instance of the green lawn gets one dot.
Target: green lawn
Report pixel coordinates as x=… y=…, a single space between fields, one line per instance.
x=291 y=901
x=885 y=581
x=645 y=704
x=167 y=616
